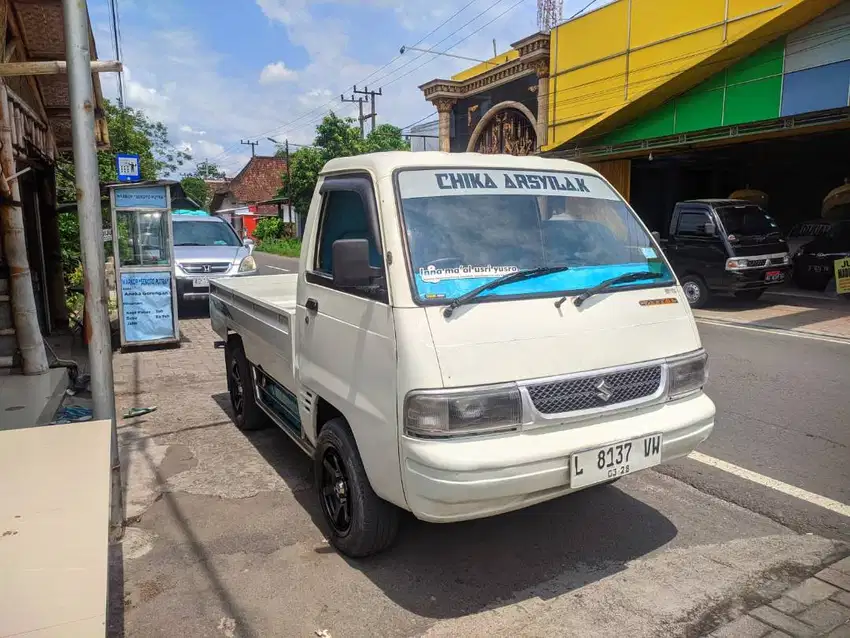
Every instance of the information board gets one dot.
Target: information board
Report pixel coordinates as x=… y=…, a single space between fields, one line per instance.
x=128 y=167
x=842 y=276
x=141 y=197
x=147 y=306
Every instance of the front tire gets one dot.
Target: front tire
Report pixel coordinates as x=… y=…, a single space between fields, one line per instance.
x=753 y=294
x=240 y=385
x=360 y=522
x=696 y=291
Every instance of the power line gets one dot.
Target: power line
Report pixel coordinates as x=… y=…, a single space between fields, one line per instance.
x=360 y=118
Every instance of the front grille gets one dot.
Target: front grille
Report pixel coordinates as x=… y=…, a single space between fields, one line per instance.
x=756 y=263
x=776 y=261
x=584 y=393
x=201 y=269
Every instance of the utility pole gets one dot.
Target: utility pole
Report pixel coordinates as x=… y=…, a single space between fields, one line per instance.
x=91 y=234
x=372 y=95
x=251 y=144
x=288 y=182
x=361 y=118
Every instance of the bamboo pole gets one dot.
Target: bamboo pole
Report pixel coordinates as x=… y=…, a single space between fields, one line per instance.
x=55 y=67
x=24 y=316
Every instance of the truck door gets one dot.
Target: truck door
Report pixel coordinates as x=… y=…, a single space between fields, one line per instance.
x=693 y=250
x=347 y=351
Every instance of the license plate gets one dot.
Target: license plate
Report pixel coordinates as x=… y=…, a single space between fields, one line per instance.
x=774 y=275
x=610 y=461
x=200 y=282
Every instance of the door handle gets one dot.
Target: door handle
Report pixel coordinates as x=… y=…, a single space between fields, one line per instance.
x=312 y=305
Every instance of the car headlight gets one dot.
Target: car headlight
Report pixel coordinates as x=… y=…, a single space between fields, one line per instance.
x=440 y=413
x=736 y=264
x=687 y=375
x=248 y=264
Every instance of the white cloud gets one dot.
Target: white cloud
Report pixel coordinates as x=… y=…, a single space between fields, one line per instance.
x=277 y=72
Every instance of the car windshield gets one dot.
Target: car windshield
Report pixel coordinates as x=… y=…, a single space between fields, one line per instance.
x=204 y=233
x=467 y=228
x=746 y=219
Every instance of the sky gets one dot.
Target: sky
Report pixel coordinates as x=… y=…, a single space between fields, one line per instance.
x=216 y=72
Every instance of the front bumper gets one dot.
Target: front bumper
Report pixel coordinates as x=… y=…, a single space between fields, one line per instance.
x=753 y=278
x=187 y=291
x=461 y=479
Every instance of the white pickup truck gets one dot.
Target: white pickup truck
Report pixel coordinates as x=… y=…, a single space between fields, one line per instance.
x=466 y=335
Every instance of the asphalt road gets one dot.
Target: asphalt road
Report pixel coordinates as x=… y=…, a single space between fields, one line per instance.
x=274 y=265
x=783 y=411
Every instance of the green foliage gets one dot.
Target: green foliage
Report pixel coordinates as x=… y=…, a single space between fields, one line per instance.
x=335 y=137
x=290 y=247
x=208 y=170
x=130 y=131
x=270 y=228
x=196 y=189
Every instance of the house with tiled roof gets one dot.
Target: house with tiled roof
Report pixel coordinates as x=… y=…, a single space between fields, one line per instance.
x=258 y=182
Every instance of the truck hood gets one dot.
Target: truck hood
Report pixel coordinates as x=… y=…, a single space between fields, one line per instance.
x=746 y=246
x=498 y=341
x=209 y=254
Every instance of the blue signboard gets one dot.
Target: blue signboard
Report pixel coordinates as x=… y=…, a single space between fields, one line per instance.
x=146 y=306
x=140 y=197
x=129 y=167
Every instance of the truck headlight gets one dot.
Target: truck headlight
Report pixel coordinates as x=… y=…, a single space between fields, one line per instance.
x=736 y=264
x=248 y=264
x=441 y=413
x=687 y=375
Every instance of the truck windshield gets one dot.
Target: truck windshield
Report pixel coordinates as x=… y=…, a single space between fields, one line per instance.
x=204 y=233
x=465 y=228
x=746 y=220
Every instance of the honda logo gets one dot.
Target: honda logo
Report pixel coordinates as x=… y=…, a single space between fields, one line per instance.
x=206 y=267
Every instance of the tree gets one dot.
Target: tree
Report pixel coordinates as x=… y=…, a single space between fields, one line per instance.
x=335 y=137
x=195 y=185
x=196 y=189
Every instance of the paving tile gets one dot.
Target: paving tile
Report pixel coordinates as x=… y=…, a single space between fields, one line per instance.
x=835 y=577
x=843 y=565
x=840 y=632
x=842 y=597
x=784 y=622
x=788 y=606
x=811 y=591
x=743 y=627
x=825 y=615
x=777 y=634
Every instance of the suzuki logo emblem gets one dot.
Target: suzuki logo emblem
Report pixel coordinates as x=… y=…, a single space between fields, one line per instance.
x=206 y=267
x=603 y=390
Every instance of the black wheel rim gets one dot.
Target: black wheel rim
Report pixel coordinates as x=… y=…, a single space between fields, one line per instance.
x=237 y=392
x=336 y=497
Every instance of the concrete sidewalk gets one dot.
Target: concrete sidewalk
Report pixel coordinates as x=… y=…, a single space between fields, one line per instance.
x=797 y=314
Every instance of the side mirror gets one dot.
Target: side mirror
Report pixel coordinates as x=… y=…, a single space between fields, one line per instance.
x=710 y=229
x=248 y=243
x=351 y=268
x=656 y=236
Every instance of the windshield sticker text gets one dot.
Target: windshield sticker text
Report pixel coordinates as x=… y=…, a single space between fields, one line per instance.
x=432 y=274
x=524 y=181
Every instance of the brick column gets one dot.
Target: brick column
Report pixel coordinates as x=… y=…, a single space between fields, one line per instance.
x=444 y=108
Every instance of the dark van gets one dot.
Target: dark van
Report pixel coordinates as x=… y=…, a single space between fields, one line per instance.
x=725 y=246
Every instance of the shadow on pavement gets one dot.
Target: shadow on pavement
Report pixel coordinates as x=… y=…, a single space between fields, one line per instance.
x=452 y=570
x=193 y=309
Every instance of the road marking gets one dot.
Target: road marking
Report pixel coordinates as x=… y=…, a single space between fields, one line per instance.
x=276 y=268
x=779 y=486
x=774 y=331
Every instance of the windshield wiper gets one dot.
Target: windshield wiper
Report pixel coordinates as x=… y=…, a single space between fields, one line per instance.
x=519 y=275
x=188 y=243
x=605 y=285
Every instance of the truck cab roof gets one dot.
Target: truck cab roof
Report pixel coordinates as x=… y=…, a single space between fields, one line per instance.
x=383 y=164
x=718 y=202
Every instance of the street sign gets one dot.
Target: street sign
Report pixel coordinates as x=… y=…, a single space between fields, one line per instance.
x=129 y=167
x=842 y=276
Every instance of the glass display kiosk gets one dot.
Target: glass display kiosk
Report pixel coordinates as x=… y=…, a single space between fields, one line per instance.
x=142 y=245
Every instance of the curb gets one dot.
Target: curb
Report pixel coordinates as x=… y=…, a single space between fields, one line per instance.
x=764 y=327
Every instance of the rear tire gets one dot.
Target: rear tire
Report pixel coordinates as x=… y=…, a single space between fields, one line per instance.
x=696 y=291
x=753 y=294
x=360 y=522
x=240 y=385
